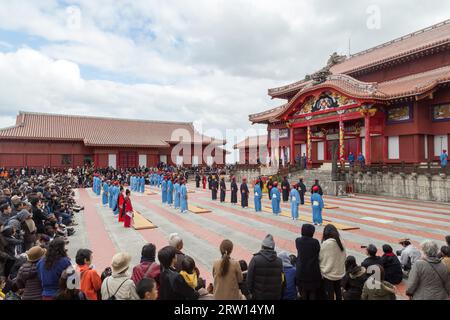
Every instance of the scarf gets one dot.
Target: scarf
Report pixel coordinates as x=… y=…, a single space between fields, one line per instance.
x=190 y=279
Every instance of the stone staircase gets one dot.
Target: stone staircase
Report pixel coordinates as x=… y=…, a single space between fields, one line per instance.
x=323 y=174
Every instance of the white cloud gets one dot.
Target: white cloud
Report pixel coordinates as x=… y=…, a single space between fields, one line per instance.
x=207 y=60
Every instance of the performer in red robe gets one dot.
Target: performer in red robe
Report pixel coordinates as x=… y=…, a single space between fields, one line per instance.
x=204 y=182
x=128 y=210
x=120 y=204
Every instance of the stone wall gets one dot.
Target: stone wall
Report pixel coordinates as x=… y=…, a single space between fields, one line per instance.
x=412 y=186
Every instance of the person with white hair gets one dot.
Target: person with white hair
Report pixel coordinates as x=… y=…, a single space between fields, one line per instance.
x=429 y=278
x=176 y=242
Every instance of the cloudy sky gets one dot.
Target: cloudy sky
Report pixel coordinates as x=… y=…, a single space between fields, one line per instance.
x=210 y=61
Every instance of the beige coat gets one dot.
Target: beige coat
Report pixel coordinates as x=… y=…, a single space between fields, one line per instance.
x=227 y=287
x=332 y=260
x=111 y=285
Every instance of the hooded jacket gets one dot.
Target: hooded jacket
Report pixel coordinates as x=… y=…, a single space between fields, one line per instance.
x=264 y=276
x=378 y=290
x=353 y=283
x=290 y=287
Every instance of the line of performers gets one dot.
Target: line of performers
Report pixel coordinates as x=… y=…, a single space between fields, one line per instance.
x=173 y=189
x=293 y=193
x=117 y=198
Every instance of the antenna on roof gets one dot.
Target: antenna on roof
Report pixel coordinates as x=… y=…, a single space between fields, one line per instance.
x=349 y=47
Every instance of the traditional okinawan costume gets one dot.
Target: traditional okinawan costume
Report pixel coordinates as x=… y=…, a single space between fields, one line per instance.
x=234 y=190
x=164 y=191
x=294 y=198
x=128 y=216
x=244 y=193
x=317 y=206
x=105 y=193
x=257 y=197
x=169 y=192
x=183 y=198
x=275 y=196
x=223 y=190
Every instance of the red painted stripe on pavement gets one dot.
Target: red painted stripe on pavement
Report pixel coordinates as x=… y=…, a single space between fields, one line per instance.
x=99 y=239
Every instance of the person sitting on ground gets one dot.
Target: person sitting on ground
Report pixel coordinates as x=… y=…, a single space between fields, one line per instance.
x=172 y=284
x=393 y=272
x=290 y=288
x=90 y=281
x=148 y=268
x=227 y=274
x=119 y=286
x=378 y=289
x=354 y=279
x=264 y=276
x=146 y=289
x=372 y=257
x=429 y=278
x=176 y=242
x=408 y=255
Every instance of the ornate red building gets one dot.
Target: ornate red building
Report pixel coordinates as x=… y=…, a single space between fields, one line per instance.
x=390 y=102
x=62 y=141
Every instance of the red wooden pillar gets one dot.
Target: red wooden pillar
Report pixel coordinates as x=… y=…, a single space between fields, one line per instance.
x=358 y=145
x=291 y=146
x=308 y=148
x=367 y=138
x=341 y=141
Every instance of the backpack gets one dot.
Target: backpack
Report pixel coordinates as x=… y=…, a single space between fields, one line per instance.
x=113 y=297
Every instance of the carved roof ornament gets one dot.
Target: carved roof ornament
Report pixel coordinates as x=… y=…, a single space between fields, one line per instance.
x=321 y=75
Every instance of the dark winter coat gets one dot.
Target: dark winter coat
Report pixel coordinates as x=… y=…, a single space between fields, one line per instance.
x=28 y=279
x=39 y=218
x=173 y=287
x=264 y=276
x=370 y=261
x=353 y=283
x=393 y=272
x=308 y=268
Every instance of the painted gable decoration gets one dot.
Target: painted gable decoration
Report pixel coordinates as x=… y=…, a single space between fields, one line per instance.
x=324 y=101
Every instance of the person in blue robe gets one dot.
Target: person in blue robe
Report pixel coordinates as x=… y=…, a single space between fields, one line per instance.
x=275 y=195
x=317 y=206
x=164 y=191
x=176 y=188
x=257 y=197
x=110 y=194
x=105 y=193
x=116 y=199
x=169 y=192
x=183 y=198
x=142 y=184
x=294 y=198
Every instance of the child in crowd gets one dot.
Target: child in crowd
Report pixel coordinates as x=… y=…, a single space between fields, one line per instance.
x=146 y=289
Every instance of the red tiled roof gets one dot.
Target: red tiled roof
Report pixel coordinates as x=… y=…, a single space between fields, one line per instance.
x=430 y=37
x=98 y=131
x=415 y=84
x=252 y=141
x=435 y=35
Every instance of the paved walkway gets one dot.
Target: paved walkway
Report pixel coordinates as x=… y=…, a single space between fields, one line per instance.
x=381 y=220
